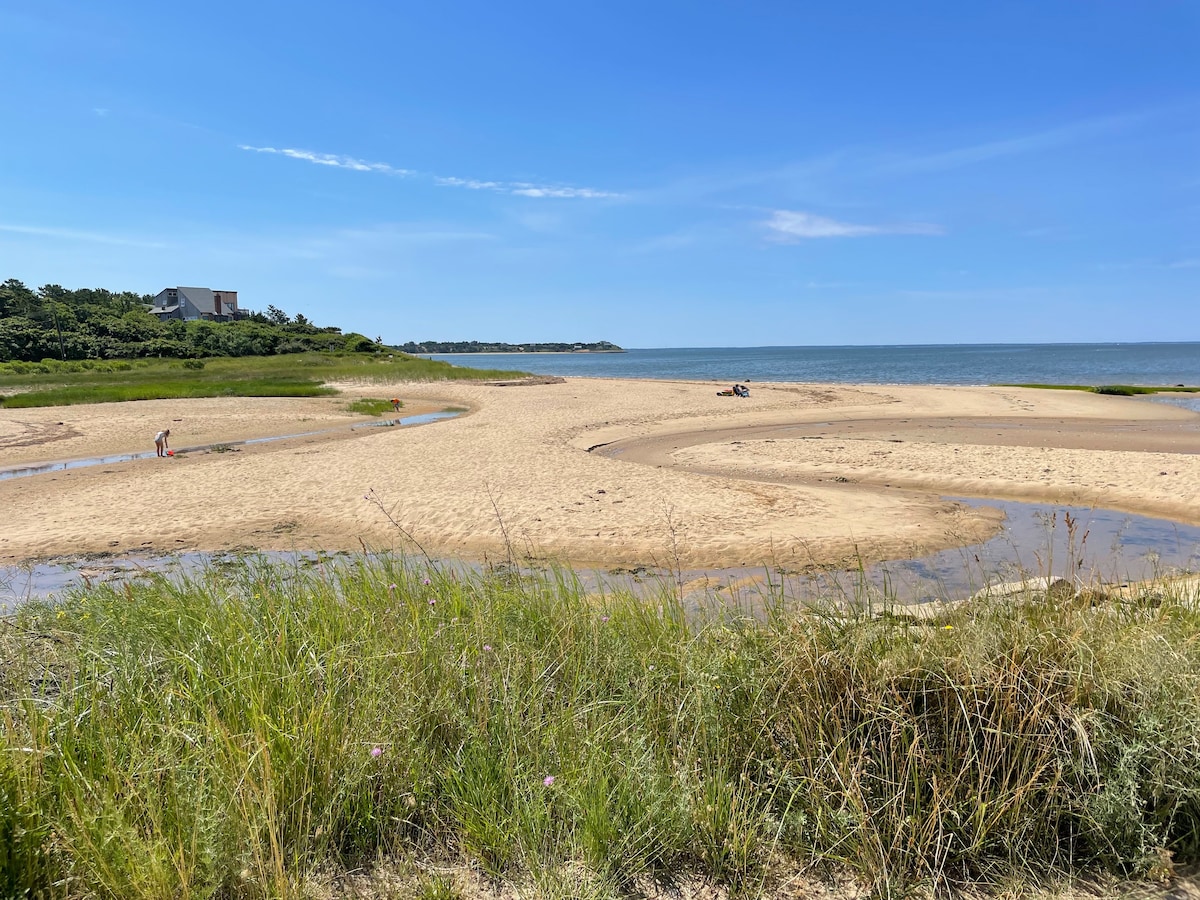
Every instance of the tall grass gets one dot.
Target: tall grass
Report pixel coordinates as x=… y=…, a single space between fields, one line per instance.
x=167 y=389
x=236 y=734
x=54 y=383
x=372 y=406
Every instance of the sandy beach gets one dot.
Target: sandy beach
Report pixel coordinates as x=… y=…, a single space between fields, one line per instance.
x=594 y=471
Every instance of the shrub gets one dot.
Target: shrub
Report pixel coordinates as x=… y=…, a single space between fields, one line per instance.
x=265 y=722
x=369 y=406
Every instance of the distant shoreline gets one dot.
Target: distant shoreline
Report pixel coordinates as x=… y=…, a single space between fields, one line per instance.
x=516 y=352
x=1084 y=364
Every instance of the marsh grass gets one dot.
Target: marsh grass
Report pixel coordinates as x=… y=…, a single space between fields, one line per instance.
x=167 y=389
x=292 y=375
x=370 y=406
x=237 y=733
x=1122 y=390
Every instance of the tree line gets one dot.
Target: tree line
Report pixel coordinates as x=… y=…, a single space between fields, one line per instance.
x=500 y=347
x=53 y=322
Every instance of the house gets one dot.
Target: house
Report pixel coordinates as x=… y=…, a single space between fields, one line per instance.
x=187 y=303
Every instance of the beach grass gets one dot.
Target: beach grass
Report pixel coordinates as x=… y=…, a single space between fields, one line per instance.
x=167 y=389
x=53 y=383
x=248 y=731
x=1122 y=390
x=370 y=406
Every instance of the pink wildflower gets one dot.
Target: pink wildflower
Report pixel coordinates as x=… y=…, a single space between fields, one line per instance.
x=376 y=752
x=548 y=780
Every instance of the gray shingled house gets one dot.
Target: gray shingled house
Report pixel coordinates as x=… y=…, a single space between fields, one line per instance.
x=187 y=303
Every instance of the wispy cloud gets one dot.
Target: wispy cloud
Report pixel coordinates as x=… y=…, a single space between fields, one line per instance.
x=524 y=189
x=330 y=159
x=829 y=178
x=514 y=188
x=1145 y=263
x=69 y=234
x=1069 y=133
x=791 y=225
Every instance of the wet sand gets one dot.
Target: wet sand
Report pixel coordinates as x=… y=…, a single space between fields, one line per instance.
x=596 y=471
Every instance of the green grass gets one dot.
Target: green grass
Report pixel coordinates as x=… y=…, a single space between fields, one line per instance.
x=1129 y=390
x=166 y=390
x=238 y=734
x=53 y=383
x=1124 y=390
x=371 y=406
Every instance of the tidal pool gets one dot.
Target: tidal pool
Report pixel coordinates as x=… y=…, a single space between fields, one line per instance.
x=88 y=461
x=1087 y=545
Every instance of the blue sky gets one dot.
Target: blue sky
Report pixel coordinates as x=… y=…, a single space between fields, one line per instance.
x=654 y=174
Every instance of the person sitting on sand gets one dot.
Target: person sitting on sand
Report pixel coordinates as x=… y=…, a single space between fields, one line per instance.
x=740 y=390
x=160 y=441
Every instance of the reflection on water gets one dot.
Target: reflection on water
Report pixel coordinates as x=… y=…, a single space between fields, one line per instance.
x=86 y=462
x=1087 y=545
x=1187 y=401
x=1071 y=542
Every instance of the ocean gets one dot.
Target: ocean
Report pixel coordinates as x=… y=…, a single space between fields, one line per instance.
x=1094 y=364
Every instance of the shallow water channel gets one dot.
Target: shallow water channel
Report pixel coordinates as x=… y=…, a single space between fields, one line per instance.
x=1088 y=545
x=1037 y=539
x=88 y=461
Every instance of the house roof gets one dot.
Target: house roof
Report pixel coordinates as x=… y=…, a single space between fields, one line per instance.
x=195 y=302
x=201 y=298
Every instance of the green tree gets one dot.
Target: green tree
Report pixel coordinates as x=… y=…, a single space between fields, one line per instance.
x=246 y=338
x=16 y=299
x=204 y=337
x=358 y=343
x=52 y=297
x=25 y=340
x=96 y=323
